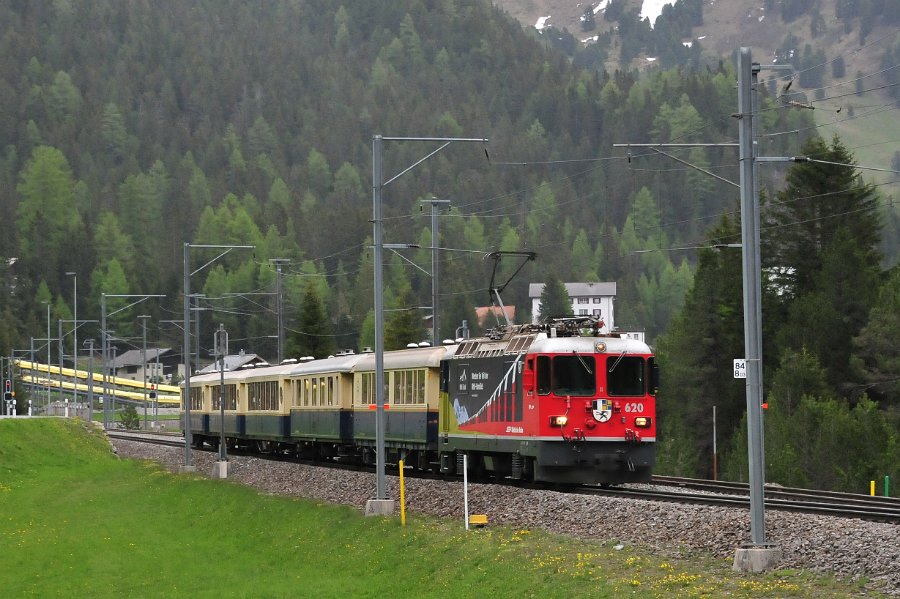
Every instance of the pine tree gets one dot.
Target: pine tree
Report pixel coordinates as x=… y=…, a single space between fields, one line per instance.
x=313 y=336
x=822 y=197
x=403 y=326
x=822 y=235
x=696 y=355
x=555 y=299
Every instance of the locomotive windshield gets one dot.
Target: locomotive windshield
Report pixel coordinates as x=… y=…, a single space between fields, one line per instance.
x=625 y=375
x=567 y=375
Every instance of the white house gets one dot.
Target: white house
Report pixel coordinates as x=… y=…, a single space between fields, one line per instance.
x=588 y=299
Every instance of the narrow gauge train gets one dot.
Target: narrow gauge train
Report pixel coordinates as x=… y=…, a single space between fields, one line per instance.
x=556 y=402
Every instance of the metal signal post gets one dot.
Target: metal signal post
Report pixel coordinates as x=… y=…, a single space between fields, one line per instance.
x=186 y=352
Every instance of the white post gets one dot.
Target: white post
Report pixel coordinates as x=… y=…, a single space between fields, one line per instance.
x=67 y=407
x=466 y=488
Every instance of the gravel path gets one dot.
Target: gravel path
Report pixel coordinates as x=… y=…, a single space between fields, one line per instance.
x=848 y=547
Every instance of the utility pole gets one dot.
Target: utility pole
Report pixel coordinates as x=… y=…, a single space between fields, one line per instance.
x=110 y=402
x=74 y=276
x=143 y=318
x=757 y=555
x=381 y=505
x=90 y=379
x=220 y=344
x=279 y=303
x=186 y=352
x=59 y=336
x=435 y=246
x=47 y=411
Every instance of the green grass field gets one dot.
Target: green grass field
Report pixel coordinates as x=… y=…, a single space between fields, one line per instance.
x=75 y=521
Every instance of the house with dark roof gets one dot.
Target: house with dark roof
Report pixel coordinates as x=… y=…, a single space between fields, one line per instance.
x=235 y=362
x=159 y=363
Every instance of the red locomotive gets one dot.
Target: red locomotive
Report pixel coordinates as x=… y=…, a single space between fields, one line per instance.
x=554 y=402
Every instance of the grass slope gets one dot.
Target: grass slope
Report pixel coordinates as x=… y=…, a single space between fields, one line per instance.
x=77 y=522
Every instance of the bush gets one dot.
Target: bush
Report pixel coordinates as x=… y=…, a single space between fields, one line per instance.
x=130 y=419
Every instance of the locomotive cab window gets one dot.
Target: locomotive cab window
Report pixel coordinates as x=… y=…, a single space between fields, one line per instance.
x=566 y=375
x=574 y=375
x=543 y=375
x=625 y=375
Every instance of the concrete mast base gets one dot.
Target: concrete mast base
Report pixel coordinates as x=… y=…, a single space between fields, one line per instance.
x=379 y=507
x=758 y=558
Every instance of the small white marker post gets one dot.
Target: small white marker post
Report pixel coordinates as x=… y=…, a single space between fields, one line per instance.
x=466 y=488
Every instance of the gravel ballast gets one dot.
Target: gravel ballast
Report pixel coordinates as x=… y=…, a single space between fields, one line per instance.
x=850 y=548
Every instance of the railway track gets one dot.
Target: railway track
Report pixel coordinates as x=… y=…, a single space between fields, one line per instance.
x=689 y=491
x=731 y=494
x=152 y=438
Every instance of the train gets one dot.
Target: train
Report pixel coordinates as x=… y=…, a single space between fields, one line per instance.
x=558 y=402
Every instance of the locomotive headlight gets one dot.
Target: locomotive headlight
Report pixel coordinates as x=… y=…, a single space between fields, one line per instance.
x=558 y=420
x=642 y=422
x=601 y=347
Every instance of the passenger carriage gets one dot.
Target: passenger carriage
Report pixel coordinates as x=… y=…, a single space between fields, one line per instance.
x=263 y=398
x=321 y=417
x=206 y=417
x=412 y=381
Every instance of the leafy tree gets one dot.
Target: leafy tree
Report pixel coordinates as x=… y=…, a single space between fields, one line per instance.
x=588 y=23
x=47 y=223
x=542 y=216
x=799 y=374
x=318 y=173
x=838 y=68
x=63 y=100
x=261 y=138
x=114 y=133
x=859 y=442
x=823 y=234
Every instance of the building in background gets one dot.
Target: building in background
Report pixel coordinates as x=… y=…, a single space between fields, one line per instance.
x=235 y=362
x=162 y=362
x=588 y=299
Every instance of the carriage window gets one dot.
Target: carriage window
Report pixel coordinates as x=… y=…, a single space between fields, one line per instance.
x=262 y=395
x=409 y=387
x=625 y=375
x=230 y=393
x=367 y=390
x=196 y=398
